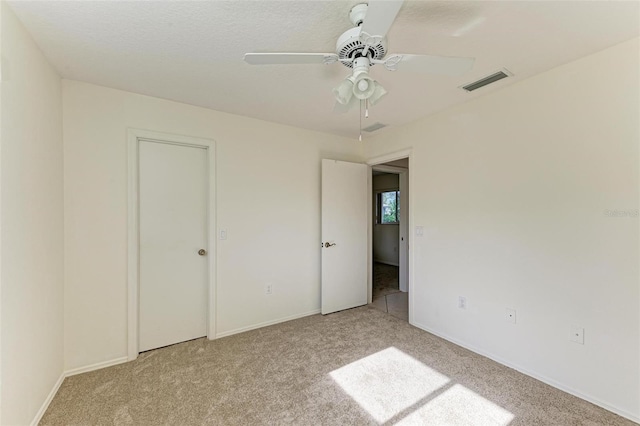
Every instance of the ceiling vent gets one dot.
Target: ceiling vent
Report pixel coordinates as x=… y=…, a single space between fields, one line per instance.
x=503 y=73
x=374 y=127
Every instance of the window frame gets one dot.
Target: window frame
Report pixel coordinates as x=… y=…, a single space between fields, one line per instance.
x=379 y=215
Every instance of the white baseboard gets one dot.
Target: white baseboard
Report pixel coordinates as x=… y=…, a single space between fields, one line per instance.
x=121 y=360
x=68 y=373
x=266 y=323
x=535 y=375
x=45 y=404
x=495 y=358
x=96 y=366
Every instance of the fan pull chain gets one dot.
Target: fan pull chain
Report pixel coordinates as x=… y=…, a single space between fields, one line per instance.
x=360 y=137
x=366 y=108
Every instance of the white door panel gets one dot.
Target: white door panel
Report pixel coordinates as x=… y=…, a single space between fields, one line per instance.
x=173 y=227
x=345 y=213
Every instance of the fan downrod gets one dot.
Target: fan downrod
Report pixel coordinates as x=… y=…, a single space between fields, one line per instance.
x=357 y=14
x=351 y=46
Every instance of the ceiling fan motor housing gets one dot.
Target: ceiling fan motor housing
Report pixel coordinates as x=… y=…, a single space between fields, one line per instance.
x=350 y=47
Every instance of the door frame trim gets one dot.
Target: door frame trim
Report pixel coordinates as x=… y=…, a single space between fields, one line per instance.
x=376 y=163
x=134 y=136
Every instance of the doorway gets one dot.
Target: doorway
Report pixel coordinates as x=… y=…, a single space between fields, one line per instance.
x=171 y=240
x=389 y=283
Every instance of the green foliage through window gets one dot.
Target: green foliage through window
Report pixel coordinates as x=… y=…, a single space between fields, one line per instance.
x=388 y=207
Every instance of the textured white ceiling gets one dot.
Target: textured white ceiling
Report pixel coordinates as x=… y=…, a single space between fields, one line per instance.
x=192 y=51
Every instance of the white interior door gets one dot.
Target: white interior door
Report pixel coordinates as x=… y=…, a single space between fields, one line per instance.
x=345 y=213
x=173 y=228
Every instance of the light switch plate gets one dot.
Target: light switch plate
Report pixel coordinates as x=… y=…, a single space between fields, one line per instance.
x=419 y=231
x=223 y=234
x=462 y=302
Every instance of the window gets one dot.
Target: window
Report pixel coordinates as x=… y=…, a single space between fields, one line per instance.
x=388 y=207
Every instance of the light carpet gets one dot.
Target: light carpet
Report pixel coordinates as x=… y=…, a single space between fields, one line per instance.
x=357 y=367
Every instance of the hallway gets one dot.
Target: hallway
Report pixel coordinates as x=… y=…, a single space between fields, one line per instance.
x=386 y=294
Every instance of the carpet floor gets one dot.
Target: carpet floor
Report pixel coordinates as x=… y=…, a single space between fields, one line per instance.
x=356 y=367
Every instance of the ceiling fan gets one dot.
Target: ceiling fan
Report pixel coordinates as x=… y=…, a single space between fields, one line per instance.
x=363 y=46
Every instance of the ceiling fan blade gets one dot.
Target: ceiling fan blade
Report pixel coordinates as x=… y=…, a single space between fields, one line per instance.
x=380 y=15
x=289 y=58
x=445 y=65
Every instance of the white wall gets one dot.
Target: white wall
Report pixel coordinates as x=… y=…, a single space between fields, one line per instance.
x=31 y=226
x=268 y=197
x=512 y=189
x=385 y=237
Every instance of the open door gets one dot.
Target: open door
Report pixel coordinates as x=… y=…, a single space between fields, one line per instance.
x=345 y=210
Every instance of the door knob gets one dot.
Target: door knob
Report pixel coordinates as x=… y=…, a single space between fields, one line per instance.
x=328 y=244
x=202 y=252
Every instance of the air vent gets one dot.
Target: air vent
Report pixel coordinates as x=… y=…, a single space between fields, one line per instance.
x=374 y=127
x=504 y=73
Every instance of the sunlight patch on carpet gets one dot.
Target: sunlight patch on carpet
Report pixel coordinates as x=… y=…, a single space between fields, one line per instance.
x=388 y=382
x=458 y=406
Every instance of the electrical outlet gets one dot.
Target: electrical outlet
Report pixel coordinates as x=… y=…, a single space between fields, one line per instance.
x=268 y=289
x=511 y=315
x=576 y=334
x=419 y=231
x=462 y=302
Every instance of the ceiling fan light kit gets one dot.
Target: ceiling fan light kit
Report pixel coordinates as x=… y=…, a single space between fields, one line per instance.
x=363 y=85
x=344 y=91
x=378 y=93
x=361 y=47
